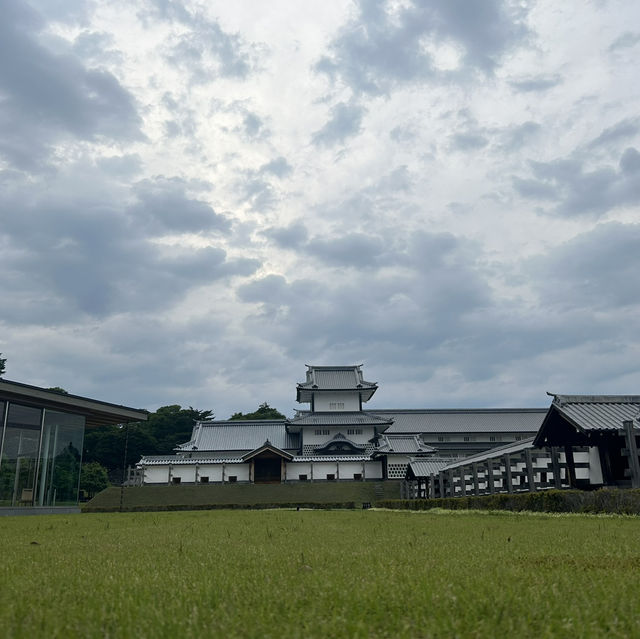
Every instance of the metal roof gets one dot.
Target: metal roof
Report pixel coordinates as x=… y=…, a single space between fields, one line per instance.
x=598 y=412
x=402 y=444
x=241 y=436
x=469 y=420
x=492 y=453
x=424 y=467
x=96 y=412
x=361 y=418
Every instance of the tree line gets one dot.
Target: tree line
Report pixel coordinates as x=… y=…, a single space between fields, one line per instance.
x=104 y=447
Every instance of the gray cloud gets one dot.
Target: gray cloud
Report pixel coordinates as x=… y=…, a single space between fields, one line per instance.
x=622 y=130
x=345 y=122
x=163 y=207
x=50 y=95
x=205 y=51
x=382 y=48
x=535 y=84
x=580 y=191
x=289 y=237
x=625 y=41
x=595 y=271
x=278 y=167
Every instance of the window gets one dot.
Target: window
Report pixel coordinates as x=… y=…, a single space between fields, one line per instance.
x=336 y=405
x=176 y=480
x=518 y=438
x=233 y=478
x=317 y=431
x=331 y=477
x=354 y=431
x=357 y=476
x=492 y=438
x=204 y=480
x=302 y=477
x=325 y=431
x=467 y=438
x=440 y=438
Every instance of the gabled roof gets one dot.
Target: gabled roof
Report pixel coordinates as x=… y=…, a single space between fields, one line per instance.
x=409 y=444
x=598 y=412
x=587 y=414
x=267 y=447
x=238 y=435
x=334 y=378
x=463 y=420
x=339 y=441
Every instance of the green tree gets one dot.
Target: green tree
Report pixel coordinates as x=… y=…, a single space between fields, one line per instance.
x=159 y=435
x=264 y=412
x=3 y=361
x=93 y=478
x=57 y=389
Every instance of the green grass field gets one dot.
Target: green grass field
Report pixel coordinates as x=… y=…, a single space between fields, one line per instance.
x=329 y=574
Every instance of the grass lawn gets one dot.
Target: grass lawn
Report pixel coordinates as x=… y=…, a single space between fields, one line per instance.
x=319 y=574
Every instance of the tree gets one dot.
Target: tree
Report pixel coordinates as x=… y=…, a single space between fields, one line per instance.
x=264 y=412
x=159 y=435
x=57 y=389
x=3 y=361
x=93 y=478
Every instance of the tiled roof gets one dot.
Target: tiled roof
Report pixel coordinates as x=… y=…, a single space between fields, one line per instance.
x=361 y=418
x=241 y=436
x=332 y=458
x=598 y=412
x=335 y=378
x=470 y=420
x=177 y=460
x=402 y=444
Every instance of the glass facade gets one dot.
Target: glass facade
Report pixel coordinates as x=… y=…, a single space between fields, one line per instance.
x=40 y=458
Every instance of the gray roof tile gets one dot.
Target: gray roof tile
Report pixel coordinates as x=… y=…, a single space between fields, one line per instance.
x=470 y=420
x=598 y=412
x=241 y=436
x=361 y=418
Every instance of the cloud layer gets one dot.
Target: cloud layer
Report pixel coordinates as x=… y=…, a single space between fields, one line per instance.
x=196 y=201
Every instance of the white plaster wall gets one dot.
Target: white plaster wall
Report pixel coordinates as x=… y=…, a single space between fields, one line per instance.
x=293 y=470
x=241 y=471
x=156 y=474
x=187 y=474
x=595 y=467
x=309 y=437
x=212 y=471
x=322 y=401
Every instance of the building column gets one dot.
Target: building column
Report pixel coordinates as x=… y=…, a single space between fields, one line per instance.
x=555 y=467
x=507 y=473
x=571 y=466
x=632 y=452
x=490 y=484
x=530 y=473
x=476 y=482
x=463 y=481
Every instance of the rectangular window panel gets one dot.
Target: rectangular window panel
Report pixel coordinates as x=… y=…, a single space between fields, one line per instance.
x=60 y=459
x=20 y=456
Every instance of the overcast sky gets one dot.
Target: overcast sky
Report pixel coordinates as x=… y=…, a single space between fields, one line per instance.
x=199 y=198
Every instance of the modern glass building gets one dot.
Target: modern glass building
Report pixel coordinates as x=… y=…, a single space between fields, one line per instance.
x=41 y=438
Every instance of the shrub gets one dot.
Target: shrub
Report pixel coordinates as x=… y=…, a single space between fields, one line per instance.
x=606 y=500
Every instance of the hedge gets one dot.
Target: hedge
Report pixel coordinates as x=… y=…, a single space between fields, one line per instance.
x=606 y=500
x=170 y=507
